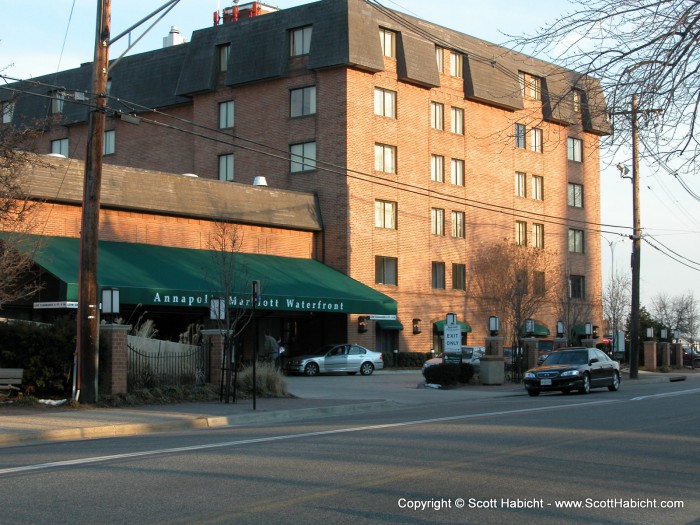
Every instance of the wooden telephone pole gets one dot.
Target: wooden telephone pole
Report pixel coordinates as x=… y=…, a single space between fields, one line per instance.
x=88 y=297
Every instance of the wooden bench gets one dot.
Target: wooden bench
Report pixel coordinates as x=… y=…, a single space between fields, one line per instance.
x=11 y=379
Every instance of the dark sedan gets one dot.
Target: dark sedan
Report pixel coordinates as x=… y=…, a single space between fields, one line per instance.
x=573 y=369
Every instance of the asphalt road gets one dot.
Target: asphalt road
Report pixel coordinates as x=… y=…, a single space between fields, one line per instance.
x=609 y=458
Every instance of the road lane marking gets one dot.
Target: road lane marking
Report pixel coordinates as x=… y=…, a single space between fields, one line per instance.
x=667 y=394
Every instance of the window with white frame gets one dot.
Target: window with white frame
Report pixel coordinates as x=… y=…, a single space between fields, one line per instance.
x=575 y=197
x=226 y=167
x=300 y=41
x=437 y=221
x=457 y=120
x=437 y=118
x=456 y=64
x=457 y=224
x=574 y=149
x=439 y=58
x=303 y=157
x=575 y=241
x=521 y=83
x=577 y=286
x=457 y=172
x=8 y=111
x=223 y=53
x=519 y=132
x=437 y=168
x=521 y=233
x=538 y=235
x=385 y=214
x=60 y=147
x=520 y=184
x=386 y=270
x=459 y=276
x=438 y=275
x=535 y=88
x=537 y=188
x=577 y=100
x=384 y=102
x=57 y=99
x=226 y=114
x=385 y=158
x=388 y=39
x=109 y=144
x=536 y=140
x=302 y=101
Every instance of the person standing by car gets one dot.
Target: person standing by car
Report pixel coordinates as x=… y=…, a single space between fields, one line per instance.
x=269 y=352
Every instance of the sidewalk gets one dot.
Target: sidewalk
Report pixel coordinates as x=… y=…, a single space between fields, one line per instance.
x=313 y=398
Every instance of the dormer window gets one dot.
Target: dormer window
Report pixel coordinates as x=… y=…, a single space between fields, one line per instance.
x=388 y=40
x=300 y=41
x=223 y=51
x=57 y=99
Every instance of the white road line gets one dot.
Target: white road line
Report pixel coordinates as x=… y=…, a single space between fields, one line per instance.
x=147 y=453
x=667 y=394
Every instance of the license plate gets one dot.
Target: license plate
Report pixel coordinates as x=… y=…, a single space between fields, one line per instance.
x=546 y=382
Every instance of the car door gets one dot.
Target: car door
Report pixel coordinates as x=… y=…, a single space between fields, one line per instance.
x=356 y=355
x=607 y=367
x=597 y=367
x=336 y=359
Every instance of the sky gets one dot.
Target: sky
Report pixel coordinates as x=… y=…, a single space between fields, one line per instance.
x=38 y=37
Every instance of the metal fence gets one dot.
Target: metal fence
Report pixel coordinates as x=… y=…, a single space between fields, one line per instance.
x=148 y=368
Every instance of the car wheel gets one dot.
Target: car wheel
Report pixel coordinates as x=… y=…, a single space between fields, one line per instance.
x=533 y=393
x=696 y=363
x=366 y=369
x=311 y=369
x=615 y=386
x=586 y=386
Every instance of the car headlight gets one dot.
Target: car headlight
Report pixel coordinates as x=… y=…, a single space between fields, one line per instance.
x=569 y=373
x=529 y=375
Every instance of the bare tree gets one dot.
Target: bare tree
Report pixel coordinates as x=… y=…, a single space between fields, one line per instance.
x=16 y=278
x=649 y=48
x=516 y=282
x=616 y=299
x=677 y=312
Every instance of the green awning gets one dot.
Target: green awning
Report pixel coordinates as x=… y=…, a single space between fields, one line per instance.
x=540 y=330
x=579 y=330
x=164 y=276
x=389 y=324
x=439 y=326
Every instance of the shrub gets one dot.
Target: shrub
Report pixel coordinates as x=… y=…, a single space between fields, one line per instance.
x=448 y=374
x=404 y=359
x=269 y=381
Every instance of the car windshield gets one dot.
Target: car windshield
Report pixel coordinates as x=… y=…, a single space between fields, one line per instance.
x=567 y=358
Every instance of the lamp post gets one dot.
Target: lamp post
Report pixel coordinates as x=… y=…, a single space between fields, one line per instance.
x=493 y=325
x=561 y=328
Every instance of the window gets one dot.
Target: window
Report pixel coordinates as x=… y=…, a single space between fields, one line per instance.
x=521 y=83
x=575 y=241
x=457 y=172
x=535 y=88
x=520 y=136
x=388 y=39
x=537 y=188
x=303 y=157
x=8 y=110
x=520 y=185
x=455 y=64
x=536 y=140
x=521 y=233
x=577 y=100
x=538 y=287
x=538 y=235
x=385 y=158
x=386 y=270
x=438 y=275
x=384 y=102
x=459 y=276
x=574 y=149
x=575 y=195
x=60 y=147
x=437 y=221
x=226 y=114
x=226 y=167
x=300 y=41
x=577 y=287
x=385 y=214
x=436 y=115
x=439 y=58
x=302 y=101
x=457 y=121
x=223 y=52
x=458 y=224
x=522 y=284
x=108 y=146
x=57 y=98
x=437 y=168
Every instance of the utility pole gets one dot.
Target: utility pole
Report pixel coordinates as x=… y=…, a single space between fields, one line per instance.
x=88 y=299
x=636 y=247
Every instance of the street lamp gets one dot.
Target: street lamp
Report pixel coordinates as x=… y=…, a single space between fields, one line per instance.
x=561 y=328
x=664 y=334
x=529 y=327
x=588 y=329
x=493 y=325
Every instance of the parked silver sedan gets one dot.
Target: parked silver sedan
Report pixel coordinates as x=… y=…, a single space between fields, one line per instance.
x=349 y=358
